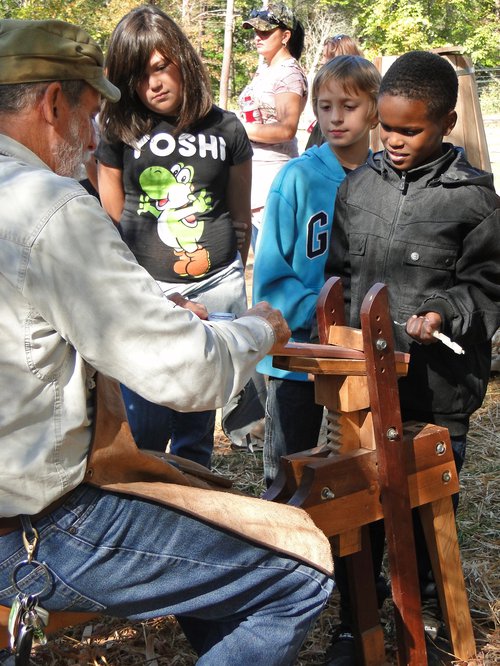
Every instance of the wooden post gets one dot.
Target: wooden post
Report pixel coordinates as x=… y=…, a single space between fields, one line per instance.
x=438 y=522
x=376 y=325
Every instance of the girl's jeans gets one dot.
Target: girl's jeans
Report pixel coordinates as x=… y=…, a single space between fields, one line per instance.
x=126 y=557
x=191 y=434
x=293 y=422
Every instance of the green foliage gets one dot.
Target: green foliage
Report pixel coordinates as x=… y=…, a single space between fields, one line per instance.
x=78 y=11
x=383 y=27
x=244 y=54
x=205 y=27
x=406 y=30
x=391 y=27
x=490 y=98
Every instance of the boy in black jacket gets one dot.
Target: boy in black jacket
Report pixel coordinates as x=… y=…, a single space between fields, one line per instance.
x=418 y=217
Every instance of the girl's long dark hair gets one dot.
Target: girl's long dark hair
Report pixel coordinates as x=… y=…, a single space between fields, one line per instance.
x=140 y=32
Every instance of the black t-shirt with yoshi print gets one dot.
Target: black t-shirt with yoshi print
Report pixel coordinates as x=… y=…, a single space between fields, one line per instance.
x=175 y=219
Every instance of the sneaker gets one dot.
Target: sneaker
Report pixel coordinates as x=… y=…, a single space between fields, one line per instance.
x=431 y=617
x=241 y=444
x=342 y=651
x=247 y=445
x=257 y=432
x=439 y=652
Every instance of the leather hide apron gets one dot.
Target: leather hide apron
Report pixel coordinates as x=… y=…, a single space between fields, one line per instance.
x=116 y=464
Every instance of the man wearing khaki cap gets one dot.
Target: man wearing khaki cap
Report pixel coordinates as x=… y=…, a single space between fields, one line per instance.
x=138 y=539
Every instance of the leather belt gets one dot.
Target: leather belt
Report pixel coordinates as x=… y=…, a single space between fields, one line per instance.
x=8 y=525
x=13 y=523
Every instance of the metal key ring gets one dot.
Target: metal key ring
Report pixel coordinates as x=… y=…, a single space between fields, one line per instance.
x=35 y=564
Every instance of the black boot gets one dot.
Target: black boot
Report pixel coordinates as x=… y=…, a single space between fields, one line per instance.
x=342 y=650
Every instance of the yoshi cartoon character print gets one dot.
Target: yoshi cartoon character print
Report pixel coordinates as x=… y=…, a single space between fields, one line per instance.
x=168 y=196
x=176 y=219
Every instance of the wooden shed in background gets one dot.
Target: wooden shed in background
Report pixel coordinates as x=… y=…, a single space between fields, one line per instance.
x=469 y=130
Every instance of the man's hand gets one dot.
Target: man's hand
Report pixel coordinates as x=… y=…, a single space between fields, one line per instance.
x=273 y=317
x=422 y=327
x=196 y=308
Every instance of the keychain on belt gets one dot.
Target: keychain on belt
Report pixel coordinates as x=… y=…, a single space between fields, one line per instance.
x=27 y=618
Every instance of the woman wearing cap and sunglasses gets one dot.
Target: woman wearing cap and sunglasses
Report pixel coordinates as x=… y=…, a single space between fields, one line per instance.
x=272 y=102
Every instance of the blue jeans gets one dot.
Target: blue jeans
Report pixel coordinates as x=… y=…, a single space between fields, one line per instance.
x=293 y=422
x=127 y=557
x=191 y=434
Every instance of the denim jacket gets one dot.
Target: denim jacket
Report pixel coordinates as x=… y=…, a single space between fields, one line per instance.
x=74 y=300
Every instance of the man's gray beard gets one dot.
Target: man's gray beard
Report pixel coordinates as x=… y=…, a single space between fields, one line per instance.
x=70 y=156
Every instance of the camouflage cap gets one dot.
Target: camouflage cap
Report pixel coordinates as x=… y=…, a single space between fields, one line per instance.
x=275 y=15
x=51 y=50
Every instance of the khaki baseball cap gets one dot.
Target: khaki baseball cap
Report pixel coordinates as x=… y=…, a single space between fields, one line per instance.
x=51 y=50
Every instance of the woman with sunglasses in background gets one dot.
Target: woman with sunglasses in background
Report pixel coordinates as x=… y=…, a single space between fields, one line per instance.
x=272 y=102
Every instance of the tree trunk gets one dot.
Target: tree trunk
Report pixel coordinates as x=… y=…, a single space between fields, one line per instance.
x=226 y=58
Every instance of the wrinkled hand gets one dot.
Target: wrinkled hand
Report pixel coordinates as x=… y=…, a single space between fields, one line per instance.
x=273 y=317
x=196 y=308
x=240 y=230
x=422 y=327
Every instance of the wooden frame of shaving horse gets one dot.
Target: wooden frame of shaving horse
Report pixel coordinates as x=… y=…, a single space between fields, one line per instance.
x=372 y=468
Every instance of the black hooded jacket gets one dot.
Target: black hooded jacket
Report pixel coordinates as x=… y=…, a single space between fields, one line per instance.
x=432 y=235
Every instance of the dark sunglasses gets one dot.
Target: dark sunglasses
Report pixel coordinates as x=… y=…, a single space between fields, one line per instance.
x=336 y=38
x=268 y=16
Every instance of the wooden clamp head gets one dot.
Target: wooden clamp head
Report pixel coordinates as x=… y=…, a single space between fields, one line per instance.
x=330 y=309
x=376 y=325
